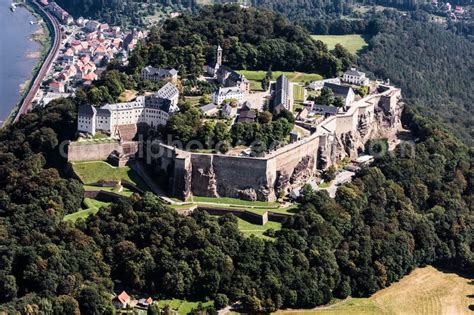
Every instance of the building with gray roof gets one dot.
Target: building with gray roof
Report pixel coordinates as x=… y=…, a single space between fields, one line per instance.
x=283 y=94
x=159 y=74
x=151 y=110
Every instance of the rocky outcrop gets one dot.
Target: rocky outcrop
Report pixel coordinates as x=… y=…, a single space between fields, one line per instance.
x=303 y=171
x=337 y=137
x=204 y=182
x=247 y=194
x=282 y=183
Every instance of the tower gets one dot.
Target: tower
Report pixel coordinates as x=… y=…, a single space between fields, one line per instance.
x=219 y=55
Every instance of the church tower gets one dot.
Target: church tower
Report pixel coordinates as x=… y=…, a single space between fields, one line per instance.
x=219 y=55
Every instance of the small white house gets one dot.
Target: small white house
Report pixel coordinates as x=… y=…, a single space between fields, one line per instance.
x=228 y=93
x=209 y=110
x=229 y=109
x=353 y=76
x=122 y=300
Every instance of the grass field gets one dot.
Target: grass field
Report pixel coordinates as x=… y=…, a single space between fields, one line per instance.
x=256 y=76
x=287 y=210
x=93 y=171
x=127 y=95
x=298 y=93
x=424 y=291
x=354 y=43
x=233 y=201
x=92 y=206
x=248 y=228
x=181 y=306
x=124 y=191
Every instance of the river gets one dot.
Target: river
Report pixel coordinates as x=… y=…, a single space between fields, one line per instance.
x=18 y=54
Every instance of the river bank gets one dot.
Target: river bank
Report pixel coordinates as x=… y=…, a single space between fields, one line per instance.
x=33 y=57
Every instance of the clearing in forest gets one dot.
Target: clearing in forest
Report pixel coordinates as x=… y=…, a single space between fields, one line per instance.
x=354 y=42
x=424 y=291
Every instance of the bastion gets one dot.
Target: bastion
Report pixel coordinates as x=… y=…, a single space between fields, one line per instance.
x=264 y=178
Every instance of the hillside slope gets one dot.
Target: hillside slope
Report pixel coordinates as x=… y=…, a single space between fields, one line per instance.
x=425 y=291
x=433 y=67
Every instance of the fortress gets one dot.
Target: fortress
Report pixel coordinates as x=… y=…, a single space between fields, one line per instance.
x=333 y=137
x=264 y=178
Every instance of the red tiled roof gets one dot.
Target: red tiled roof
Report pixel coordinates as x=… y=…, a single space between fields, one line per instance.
x=55 y=84
x=123 y=297
x=90 y=76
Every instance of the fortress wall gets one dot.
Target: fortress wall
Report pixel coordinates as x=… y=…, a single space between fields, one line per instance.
x=347 y=123
x=241 y=177
x=202 y=175
x=256 y=178
x=329 y=126
x=287 y=160
x=92 y=151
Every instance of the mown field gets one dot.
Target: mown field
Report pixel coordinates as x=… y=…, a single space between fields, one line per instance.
x=256 y=76
x=91 y=206
x=298 y=93
x=92 y=171
x=249 y=229
x=424 y=291
x=354 y=43
x=182 y=307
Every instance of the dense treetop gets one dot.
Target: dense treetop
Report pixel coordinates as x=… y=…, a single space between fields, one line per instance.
x=251 y=39
x=413 y=207
x=432 y=66
x=410 y=209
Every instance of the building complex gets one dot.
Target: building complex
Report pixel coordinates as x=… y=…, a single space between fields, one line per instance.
x=152 y=110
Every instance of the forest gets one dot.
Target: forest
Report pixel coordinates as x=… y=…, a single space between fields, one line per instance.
x=413 y=207
x=410 y=209
x=431 y=65
x=251 y=39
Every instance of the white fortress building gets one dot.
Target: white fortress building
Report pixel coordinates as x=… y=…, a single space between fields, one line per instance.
x=353 y=76
x=158 y=74
x=228 y=93
x=152 y=110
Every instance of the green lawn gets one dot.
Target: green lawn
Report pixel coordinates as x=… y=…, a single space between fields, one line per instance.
x=256 y=76
x=324 y=185
x=183 y=307
x=287 y=210
x=125 y=191
x=256 y=86
x=234 y=201
x=92 y=171
x=298 y=93
x=248 y=228
x=91 y=206
x=99 y=139
x=194 y=100
x=354 y=43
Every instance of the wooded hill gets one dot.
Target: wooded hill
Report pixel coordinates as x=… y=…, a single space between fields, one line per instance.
x=433 y=67
x=251 y=39
x=408 y=210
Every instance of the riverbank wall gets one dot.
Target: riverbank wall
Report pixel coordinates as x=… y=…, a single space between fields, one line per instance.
x=45 y=50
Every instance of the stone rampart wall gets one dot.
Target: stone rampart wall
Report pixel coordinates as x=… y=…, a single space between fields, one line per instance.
x=92 y=151
x=217 y=175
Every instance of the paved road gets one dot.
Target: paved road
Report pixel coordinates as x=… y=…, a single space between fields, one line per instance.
x=341 y=178
x=53 y=53
x=142 y=172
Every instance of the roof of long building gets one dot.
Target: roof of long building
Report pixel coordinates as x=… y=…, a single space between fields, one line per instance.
x=338 y=90
x=281 y=90
x=168 y=91
x=86 y=110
